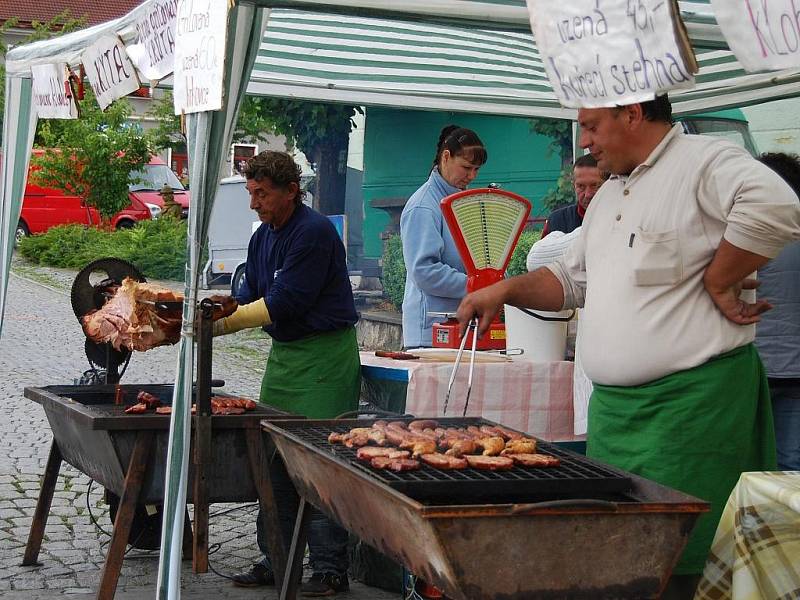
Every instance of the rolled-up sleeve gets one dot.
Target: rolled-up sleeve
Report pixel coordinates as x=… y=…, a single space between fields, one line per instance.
x=761 y=211
x=423 y=248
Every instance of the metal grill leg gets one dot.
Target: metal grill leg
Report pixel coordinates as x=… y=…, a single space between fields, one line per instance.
x=43 y=506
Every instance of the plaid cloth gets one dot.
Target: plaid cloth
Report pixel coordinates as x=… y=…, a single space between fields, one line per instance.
x=756 y=550
x=535 y=397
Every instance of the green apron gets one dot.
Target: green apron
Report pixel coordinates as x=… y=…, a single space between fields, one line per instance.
x=318 y=377
x=695 y=431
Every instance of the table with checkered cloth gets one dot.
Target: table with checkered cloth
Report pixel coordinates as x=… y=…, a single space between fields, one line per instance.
x=756 y=550
x=535 y=397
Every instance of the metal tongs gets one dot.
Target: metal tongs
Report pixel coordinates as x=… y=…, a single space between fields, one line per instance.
x=473 y=324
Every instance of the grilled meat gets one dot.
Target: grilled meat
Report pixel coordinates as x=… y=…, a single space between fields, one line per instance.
x=492 y=446
x=129 y=319
x=395 y=464
x=520 y=446
x=489 y=463
x=367 y=453
x=443 y=461
x=535 y=460
x=148 y=399
x=136 y=409
x=419 y=447
x=462 y=447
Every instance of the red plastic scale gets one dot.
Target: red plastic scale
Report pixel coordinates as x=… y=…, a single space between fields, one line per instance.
x=485 y=224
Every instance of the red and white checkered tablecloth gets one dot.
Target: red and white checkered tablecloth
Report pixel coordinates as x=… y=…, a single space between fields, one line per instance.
x=535 y=397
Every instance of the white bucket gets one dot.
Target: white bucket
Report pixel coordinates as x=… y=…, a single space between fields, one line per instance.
x=541 y=341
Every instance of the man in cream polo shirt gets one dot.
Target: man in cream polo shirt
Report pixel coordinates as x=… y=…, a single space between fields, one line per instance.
x=666 y=247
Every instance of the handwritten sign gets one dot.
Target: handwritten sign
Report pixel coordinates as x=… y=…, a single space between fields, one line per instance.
x=50 y=99
x=609 y=52
x=763 y=35
x=153 y=53
x=109 y=70
x=200 y=55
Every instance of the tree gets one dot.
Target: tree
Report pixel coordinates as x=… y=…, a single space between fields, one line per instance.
x=560 y=132
x=93 y=157
x=321 y=132
x=58 y=25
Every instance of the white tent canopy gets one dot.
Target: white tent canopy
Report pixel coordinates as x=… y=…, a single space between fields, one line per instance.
x=465 y=55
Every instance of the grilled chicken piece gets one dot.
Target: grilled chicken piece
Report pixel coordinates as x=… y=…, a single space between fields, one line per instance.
x=377 y=437
x=520 y=446
x=462 y=447
x=419 y=447
x=535 y=460
x=336 y=438
x=443 y=461
x=356 y=440
x=164 y=410
x=136 y=409
x=395 y=464
x=489 y=463
x=508 y=434
x=492 y=446
x=421 y=424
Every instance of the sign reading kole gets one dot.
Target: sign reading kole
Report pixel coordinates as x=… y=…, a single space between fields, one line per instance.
x=50 y=92
x=199 y=55
x=609 y=52
x=109 y=70
x=763 y=34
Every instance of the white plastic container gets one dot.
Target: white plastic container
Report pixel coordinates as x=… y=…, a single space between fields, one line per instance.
x=541 y=341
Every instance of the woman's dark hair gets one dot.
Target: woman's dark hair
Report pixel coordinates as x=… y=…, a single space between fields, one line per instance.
x=278 y=167
x=460 y=142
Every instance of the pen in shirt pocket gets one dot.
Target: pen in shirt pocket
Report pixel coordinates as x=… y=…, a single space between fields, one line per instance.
x=630 y=241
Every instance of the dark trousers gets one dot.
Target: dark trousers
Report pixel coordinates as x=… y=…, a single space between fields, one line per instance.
x=327 y=541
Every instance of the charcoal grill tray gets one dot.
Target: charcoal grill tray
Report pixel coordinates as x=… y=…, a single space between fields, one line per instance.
x=577 y=475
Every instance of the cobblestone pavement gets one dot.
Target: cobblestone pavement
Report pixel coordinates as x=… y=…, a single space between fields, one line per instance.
x=42 y=344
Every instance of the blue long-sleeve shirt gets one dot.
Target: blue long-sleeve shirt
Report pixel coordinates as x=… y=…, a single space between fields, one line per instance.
x=301 y=272
x=435 y=276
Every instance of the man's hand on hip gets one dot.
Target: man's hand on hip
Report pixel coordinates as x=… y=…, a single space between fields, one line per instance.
x=734 y=308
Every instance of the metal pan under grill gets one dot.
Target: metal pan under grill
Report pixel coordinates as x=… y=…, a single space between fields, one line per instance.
x=576 y=475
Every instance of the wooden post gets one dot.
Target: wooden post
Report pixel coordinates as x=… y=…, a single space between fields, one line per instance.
x=43 y=506
x=298 y=549
x=134 y=478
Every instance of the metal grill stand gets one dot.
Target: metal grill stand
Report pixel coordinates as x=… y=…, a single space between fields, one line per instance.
x=92 y=450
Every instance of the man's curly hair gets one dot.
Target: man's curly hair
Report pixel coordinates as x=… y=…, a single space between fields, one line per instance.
x=278 y=167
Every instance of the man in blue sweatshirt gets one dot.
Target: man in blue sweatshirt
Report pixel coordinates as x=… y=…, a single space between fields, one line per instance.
x=297 y=287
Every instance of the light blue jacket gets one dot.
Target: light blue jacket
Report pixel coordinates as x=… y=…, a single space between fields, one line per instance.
x=435 y=276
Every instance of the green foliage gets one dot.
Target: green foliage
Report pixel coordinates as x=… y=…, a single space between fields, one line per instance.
x=394 y=271
x=59 y=24
x=93 y=156
x=516 y=265
x=157 y=248
x=308 y=125
x=563 y=193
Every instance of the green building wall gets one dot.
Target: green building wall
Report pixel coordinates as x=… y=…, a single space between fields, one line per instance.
x=399 y=146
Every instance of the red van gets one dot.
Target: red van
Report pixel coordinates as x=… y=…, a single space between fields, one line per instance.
x=43 y=208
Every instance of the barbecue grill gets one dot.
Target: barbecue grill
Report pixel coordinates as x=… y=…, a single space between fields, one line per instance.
x=127 y=453
x=580 y=530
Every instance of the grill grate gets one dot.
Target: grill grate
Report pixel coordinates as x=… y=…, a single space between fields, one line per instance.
x=575 y=475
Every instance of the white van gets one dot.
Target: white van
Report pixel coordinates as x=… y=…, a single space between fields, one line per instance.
x=229 y=230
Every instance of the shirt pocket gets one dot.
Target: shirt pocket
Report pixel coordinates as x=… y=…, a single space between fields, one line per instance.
x=657 y=258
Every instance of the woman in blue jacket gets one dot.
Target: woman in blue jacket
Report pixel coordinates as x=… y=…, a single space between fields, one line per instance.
x=435 y=276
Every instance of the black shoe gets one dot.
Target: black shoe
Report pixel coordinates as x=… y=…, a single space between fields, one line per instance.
x=325 y=584
x=256 y=576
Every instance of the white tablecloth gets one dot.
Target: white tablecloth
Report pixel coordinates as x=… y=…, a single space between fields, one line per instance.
x=535 y=397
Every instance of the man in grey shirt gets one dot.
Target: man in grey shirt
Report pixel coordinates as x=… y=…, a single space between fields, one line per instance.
x=778 y=333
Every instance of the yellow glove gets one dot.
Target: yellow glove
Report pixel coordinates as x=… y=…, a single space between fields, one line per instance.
x=246 y=316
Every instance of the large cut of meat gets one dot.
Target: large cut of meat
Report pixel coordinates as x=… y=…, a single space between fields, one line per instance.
x=130 y=319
